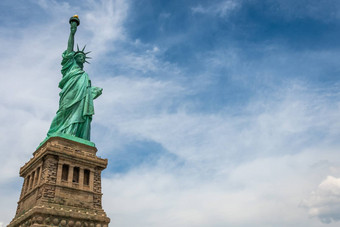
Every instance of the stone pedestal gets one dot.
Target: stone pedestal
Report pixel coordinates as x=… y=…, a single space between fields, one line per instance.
x=62 y=186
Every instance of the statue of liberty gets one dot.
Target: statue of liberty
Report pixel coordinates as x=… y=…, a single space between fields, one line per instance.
x=75 y=111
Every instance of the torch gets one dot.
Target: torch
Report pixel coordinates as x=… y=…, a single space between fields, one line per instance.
x=74 y=19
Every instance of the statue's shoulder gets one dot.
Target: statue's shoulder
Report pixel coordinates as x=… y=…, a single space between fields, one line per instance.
x=68 y=54
x=68 y=58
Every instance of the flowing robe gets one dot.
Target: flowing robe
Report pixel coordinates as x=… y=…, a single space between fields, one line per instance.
x=75 y=111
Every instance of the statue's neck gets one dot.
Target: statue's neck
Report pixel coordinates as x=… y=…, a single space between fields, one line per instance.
x=81 y=66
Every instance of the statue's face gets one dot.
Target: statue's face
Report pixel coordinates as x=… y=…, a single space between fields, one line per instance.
x=80 y=59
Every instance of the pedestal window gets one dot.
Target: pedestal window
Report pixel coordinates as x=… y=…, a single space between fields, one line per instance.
x=75 y=175
x=86 y=177
x=64 y=174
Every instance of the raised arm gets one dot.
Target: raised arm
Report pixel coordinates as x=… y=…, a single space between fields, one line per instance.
x=74 y=22
x=70 y=42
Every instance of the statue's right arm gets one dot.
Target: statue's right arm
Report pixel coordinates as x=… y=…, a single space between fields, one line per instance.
x=70 y=43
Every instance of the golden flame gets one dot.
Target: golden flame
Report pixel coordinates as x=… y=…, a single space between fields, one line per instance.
x=76 y=16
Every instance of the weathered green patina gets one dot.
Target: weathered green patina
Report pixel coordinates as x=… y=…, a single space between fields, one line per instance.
x=74 y=116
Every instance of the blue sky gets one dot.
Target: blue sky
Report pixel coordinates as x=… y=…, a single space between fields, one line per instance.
x=213 y=113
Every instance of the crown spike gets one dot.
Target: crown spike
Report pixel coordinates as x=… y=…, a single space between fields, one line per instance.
x=87 y=62
x=83 y=49
x=88 y=52
x=77 y=47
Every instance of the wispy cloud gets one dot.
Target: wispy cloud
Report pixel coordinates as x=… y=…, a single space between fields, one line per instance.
x=222 y=8
x=265 y=156
x=268 y=188
x=104 y=20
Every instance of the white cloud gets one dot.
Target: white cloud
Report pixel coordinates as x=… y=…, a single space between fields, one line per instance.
x=324 y=202
x=104 y=21
x=236 y=169
x=264 y=191
x=222 y=8
x=268 y=128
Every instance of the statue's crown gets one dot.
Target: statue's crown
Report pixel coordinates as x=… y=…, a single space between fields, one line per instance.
x=82 y=52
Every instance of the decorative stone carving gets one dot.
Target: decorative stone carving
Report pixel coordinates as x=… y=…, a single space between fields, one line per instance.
x=71 y=223
x=55 y=221
x=40 y=219
x=47 y=221
x=63 y=223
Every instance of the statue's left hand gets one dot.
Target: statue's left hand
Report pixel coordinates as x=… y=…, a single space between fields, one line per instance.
x=96 y=91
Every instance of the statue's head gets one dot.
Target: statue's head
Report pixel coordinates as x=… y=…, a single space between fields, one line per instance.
x=80 y=59
x=80 y=56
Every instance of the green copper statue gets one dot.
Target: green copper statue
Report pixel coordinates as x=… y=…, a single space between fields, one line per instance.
x=76 y=97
